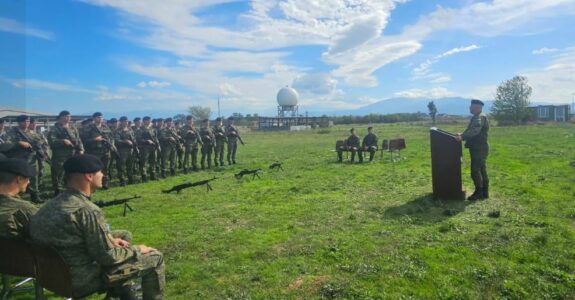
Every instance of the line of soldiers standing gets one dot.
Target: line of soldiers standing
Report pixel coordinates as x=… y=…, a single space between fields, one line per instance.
x=152 y=148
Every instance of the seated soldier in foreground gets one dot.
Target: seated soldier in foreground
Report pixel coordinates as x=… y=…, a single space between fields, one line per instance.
x=369 y=144
x=351 y=144
x=77 y=229
x=15 y=214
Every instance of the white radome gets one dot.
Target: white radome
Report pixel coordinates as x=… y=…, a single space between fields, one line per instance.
x=287 y=97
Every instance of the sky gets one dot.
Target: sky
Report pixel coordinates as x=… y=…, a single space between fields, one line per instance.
x=162 y=57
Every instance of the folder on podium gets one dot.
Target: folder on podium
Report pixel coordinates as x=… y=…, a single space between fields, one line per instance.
x=446 y=156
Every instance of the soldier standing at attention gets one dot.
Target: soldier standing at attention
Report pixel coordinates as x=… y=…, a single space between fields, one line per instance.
x=180 y=148
x=65 y=142
x=125 y=142
x=169 y=147
x=99 y=142
x=4 y=145
x=369 y=144
x=208 y=140
x=137 y=124
x=98 y=258
x=351 y=144
x=191 y=138
x=233 y=136
x=475 y=137
x=220 y=134
x=158 y=127
x=148 y=143
x=15 y=214
x=41 y=141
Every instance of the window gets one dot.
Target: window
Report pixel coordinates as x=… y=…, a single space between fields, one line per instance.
x=543 y=112
x=560 y=113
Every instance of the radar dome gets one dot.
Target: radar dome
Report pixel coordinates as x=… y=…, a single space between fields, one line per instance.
x=287 y=97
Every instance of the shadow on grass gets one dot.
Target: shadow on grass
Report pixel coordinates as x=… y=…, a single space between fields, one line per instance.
x=425 y=209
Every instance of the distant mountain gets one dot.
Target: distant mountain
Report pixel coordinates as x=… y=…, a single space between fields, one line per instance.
x=448 y=105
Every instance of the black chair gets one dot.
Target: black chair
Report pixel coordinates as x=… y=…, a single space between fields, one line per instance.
x=17 y=259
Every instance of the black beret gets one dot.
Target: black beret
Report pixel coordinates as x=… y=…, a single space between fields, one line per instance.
x=97 y=114
x=1 y=121
x=159 y=120
x=168 y=120
x=352 y=129
x=231 y=118
x=146 y=118
x=218 y=119
x=370 y=128
x=475 y=101
x=123 y=118
x=17 y=166
x=113 y=120
x=63 y=113
x=32 y=120
x=84 y=163
x=136 y=119
x=189 y=118
x=22 y=118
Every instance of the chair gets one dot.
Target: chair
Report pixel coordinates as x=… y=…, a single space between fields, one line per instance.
x=391 y=146
x=17 y=259
x=51 y=271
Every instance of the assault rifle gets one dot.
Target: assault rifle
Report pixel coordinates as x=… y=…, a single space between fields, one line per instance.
x=74 y=145
x=154 y=141
x=40 y=152
x=253 y=172
x=107 y=143
x=178 y=188
x=123 y=201
x=276 y=166
x=134 y=146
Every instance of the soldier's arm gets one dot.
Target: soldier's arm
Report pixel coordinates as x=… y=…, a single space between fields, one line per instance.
x=22 y=219
x=98 y=241
x=79 y=142
x=474 y=128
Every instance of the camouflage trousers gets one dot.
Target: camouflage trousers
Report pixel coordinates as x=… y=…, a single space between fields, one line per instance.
x=57 y=169
x=148 y=161
x=191 y=150
x=219 y=153
x=168 y=157
x=125 y=164
x=232 y=148
x=207 y=154
x=478 y=167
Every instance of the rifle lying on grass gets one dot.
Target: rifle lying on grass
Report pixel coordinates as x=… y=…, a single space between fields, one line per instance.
x=180 y=187
x=253 y=172
x=277 y=166
x=123 y=201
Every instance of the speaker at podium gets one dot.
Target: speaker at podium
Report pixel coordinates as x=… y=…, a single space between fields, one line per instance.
x=446 y=154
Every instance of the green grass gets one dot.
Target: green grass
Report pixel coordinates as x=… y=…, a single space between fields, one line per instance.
x=323 y=230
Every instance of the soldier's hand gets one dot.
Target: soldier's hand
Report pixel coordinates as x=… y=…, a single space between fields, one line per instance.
x=98 y=138
x=130 y=143
x=172 y=139
x=458 y=137
x=67 y=142
x=24 y=144
x=121 y=243
x=81 y=152
x=145 y=249
x=150 y=142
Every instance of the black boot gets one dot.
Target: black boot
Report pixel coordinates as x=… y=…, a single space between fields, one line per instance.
x=144 y=178
x=163 y=174
x=477 y=195
x=486 y=191
x=172 y=172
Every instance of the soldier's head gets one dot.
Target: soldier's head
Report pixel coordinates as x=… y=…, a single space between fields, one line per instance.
x=476 y=106
x=169 y=122
x=147 y=121
x=159 y=122
x=33 y=123
x=231 y=120
x=97 y=117
x=64 y=117
x=352 y=131
x=205 y=122
x=178 y=124
x=113 y=123
x=86 y=122
x=219 y=121
x=370 y=129
x=124 y=121
x=137 y=122
x=23 y=121
x=190 y=120
x=84 y=173
x=15 y=174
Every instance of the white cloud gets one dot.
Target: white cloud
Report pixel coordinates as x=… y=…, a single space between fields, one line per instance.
x=46 y=85
x=556 y=81
x=544 y=50
x=433 y=93
x=13 y=26
x=423 y=71
x=316 y=83
x=154 y=84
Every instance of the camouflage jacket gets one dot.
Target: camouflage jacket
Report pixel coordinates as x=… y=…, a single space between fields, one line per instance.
x=122 y=136
x=219 y=134
x=370 y=140
x=352 y=141
x=190 y=135
x=15 y=135
x=77 y=229
x=4 y=143
x=58 y=134
x=475 y=136
x=94 y=131
x=15 y=217
x=207 y=136
x=232 y=133
x=168 y=136
x=144 y=134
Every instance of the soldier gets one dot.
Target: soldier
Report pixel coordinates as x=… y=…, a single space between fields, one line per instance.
x=148 y=142
x=191 y=138
x=169 y=141
x=159 y=124
x=233 y=136
x=113 y=124
x=208 y=140
x=98 y=259
x=22 y=147
x=4 y=145
x=64 y=141
x=41 y=141
x=125 y=143
x=369 y=144
x=351 y=144
x=137 y=124
x=475 y=137
x=15 y=214
x=100 y=143
x=220 y=134
x=180 y=149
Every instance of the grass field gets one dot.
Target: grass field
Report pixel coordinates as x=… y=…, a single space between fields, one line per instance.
x=323 y=230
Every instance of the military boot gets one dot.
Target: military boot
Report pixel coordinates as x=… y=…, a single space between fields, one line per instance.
x=163 y=174
x=477 y=195
x=144 y=178
x=486 y=191
x=172 y=172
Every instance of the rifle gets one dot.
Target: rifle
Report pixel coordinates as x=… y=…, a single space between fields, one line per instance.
x=40 y=152
x=277 y=165
x=134 y=146
x=107 y=143
x=154 y=141
x=243 y=172
x=74 y=145
x=178 y=188
x=123 y=201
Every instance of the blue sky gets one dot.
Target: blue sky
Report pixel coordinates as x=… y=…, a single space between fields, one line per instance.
x=163 y=56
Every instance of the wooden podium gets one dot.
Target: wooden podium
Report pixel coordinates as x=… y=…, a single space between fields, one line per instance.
x=446 y=165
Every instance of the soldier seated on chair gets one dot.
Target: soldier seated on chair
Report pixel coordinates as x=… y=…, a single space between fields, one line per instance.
x=99 y=259
x=369 y=144
x=15 y=214
x=351 y=144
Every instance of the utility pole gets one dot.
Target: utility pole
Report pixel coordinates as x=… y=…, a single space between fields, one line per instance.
x=219 y=115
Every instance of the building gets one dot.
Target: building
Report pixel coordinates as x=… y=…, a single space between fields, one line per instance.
x=556 y=113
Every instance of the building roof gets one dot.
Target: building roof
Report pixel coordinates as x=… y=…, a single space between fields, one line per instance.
x=8 y=111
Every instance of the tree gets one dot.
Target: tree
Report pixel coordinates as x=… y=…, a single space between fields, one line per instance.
x=199 y=112
x=432 y=110
x=512 y=101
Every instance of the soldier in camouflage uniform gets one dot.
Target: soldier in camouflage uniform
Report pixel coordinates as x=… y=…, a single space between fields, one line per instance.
x=113 y=124
x=233 y=136
x=64 y=141
x=148 y=143
x=475 y=137
x=4 y=145
x=169 y=140
x=158 y=125
x=191 y=138
x=99 y=142
x=220 y=134
x=181 y=149
x=208 y=140
x=40 y=140
x=98 y=260
x=125 y=142
x=15 y=214
x=22 y=148
x=137 y=124
x=351 y=144
x=369 y=144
